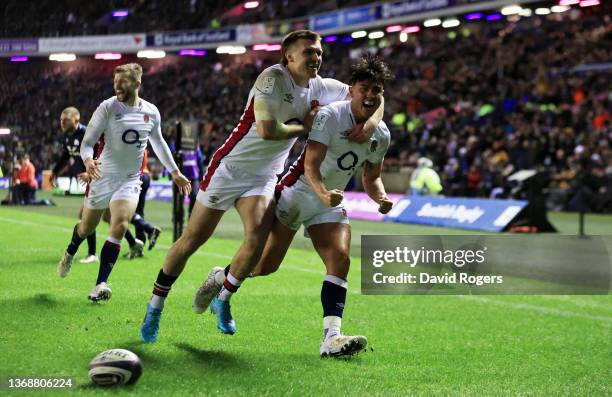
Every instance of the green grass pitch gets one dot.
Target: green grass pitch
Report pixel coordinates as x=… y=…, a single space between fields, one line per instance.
x=422 y=345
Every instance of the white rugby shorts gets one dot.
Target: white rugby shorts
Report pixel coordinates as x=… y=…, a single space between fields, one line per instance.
x=226 y=184
x=298 y=205
x=109 y=188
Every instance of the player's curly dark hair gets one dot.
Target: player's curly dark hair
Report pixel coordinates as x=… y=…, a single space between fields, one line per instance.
x=371 y=67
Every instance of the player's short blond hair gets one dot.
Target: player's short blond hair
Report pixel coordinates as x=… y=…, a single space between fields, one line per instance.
x=133 y=70
x=71 y=111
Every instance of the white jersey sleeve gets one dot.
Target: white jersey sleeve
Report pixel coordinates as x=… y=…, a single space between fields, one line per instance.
x=268 y=91
x=383 y=138
x=159 y=145
x=95 y=128
x=333 y=91
x=324 y=124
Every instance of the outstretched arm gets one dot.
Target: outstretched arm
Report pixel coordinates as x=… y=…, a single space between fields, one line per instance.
x=161 y=149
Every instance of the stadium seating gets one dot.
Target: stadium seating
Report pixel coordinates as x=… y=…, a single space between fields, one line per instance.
x=482 y=101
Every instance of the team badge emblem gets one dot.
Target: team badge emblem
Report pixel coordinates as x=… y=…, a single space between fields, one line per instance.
x=146 y=118
x=373 y=145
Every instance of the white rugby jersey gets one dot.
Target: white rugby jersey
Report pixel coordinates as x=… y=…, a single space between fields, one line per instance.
x=127 y=130
x=331 y=126
x=245 y=149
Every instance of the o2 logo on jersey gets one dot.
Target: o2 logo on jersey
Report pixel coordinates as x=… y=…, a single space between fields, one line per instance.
x=132 y=137
x=347 y=161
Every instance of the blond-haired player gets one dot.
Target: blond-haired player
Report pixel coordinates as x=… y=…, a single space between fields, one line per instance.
x=124 y=124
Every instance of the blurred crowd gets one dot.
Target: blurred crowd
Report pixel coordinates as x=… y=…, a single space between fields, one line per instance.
x=73 y=17
x=481 y=102
x=70 y=17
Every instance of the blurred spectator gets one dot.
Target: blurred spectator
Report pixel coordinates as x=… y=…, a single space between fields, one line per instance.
x=25 y=184
x=424 y=180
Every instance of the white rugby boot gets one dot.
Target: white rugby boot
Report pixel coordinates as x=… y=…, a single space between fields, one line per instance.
x=209 y=289
x=90 y=259
x=63 y=268
x=136 y=251
x=342 y=345
x=100 y=292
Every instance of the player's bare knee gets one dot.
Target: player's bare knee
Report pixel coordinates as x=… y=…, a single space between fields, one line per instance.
x=255 y=240
x=268 y=269
x=119 y=228
x=189 y=242
x=339 y=264
x=84 y=229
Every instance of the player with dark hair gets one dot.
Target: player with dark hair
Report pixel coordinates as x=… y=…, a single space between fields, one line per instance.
x=74 y=132
x=128 y=124
x=311 y=194
x=242 y=173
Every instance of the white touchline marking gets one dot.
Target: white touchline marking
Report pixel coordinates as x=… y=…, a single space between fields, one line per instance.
x=54 y=227
x=535 y=308
x=520 y=306
x=577 y=302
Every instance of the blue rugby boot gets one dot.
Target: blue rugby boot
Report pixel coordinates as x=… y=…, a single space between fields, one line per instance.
x=150 y=325
x=222 y=310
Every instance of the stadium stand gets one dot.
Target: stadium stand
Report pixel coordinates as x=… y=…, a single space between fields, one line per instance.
x=482 y=102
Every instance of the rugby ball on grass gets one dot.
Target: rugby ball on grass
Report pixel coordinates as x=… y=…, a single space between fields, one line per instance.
x=115 y=367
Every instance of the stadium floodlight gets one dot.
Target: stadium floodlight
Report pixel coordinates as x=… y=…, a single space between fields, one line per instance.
x=559 y=8
x=359 y=34
x=511 y=10
x=251 y=4
x=19 y=59
x=393 y=28
x=230 y=49
x=542 y=11
x=107 y=56
x=403 y=37
x=274 y=47
x=238 y=50
x=120 y=13
x=568 y=2
x=450 y=23
x=378 y=34
x=589 y=3
x=62 y=57
x=432 y=22
x=526 y=12
x=151 y=54
x=192 y=53
x=474 y=15
x=5 y=131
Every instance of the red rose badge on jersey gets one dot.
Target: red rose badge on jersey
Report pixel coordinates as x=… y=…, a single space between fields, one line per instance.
x=146 y=118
